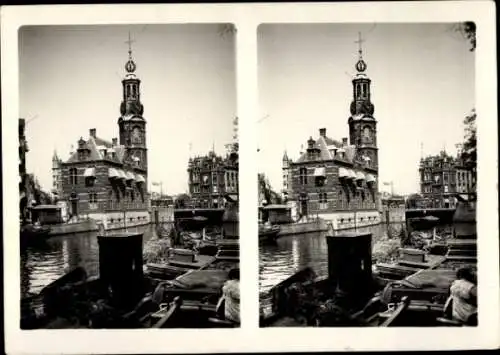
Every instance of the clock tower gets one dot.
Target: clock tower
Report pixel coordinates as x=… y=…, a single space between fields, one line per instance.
x=362 y=124
x=131 y=124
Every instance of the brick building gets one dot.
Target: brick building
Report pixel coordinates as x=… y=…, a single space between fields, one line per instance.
x=104 y=177
x=212 y=178
x=443 y=176
x=337 y=180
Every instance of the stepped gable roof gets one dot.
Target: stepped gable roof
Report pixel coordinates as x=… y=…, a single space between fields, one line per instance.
x=324 y=144
x=94 y=145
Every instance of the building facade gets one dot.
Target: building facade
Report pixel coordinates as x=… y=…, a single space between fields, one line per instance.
x=212 y=178
x=442 y=177
x=337 y=180
x=57 y=175
x=103 y=178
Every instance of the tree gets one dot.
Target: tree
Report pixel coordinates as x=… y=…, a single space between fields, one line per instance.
x=182 y=201
x=271 y=196
x=469 y=151
x=468 y=31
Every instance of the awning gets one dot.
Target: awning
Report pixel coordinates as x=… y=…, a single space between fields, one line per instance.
x=139 y=178
x=370 y=178
x=113 y=173
x=360 y=176
x=351 y=174
x=129 y=176
x=319 y=172
x=121 y=174
x=343 y=173
x=89 y=172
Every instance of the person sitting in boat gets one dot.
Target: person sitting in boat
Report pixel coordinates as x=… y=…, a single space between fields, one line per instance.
x=463 y=297
x=231 y=296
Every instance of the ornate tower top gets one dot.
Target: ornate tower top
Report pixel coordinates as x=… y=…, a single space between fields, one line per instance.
x=130 y=66
x=361 y=104
x=360 y=65
x=131 y=106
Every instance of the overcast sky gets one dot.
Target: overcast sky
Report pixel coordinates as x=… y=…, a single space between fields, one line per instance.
x=70 y=81
x=423 y=86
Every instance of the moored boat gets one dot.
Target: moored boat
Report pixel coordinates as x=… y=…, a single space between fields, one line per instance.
x=179 y=261
x=268 y=234
x=123 y=297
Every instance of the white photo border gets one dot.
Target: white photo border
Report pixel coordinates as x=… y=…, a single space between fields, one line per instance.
x=251 y=338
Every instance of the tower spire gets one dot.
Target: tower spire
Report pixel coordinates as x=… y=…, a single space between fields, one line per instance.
x=360 y=47
x=360 y=65
x=129 y=42
x=130 y=65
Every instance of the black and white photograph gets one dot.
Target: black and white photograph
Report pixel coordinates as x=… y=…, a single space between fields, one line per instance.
x=367 y=174
x=128 y=176
x=356 y=140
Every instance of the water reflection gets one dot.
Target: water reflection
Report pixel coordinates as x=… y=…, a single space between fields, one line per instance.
x=48 y=260
x=293 y=253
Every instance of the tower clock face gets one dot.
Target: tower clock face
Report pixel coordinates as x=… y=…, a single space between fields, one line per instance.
x=136 y=136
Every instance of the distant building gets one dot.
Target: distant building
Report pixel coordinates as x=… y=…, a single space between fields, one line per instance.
x=212 y=178
x=337 y=180
x=57 y=189
x=443 y=176
x=102 y=178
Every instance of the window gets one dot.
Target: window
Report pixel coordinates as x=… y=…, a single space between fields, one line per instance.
x=73 y=176
x=323 y=201
x=319 y=181
x=89 y=181
x=303 y=176
x=445 y=188
x=92 y=200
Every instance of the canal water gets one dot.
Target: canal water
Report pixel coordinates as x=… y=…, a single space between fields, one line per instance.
x=294 y=253
x=48 y=260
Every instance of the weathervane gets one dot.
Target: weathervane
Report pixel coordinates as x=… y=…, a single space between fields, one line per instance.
x=129 y=42
x=360 y=42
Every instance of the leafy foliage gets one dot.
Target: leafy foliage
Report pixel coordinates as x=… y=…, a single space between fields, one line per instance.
x=468 y=31
x=271 y=196
x=469 y=152
x=40 y=196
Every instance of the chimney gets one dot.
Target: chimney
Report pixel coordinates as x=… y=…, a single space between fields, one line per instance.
x=322 y=132
x=92 y=132
x=344 y=141
x=114 y=142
